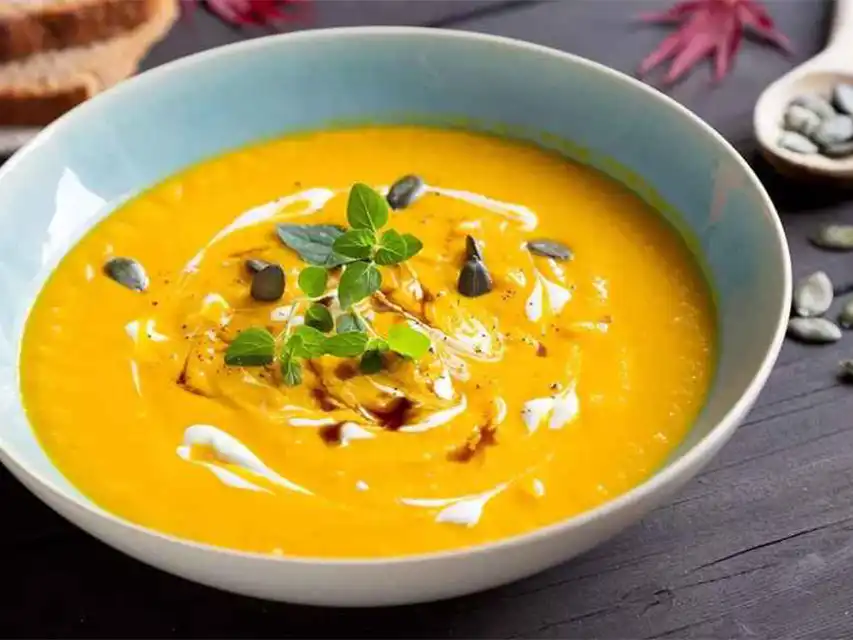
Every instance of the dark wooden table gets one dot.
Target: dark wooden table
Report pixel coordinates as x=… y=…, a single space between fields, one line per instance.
x=759 y=546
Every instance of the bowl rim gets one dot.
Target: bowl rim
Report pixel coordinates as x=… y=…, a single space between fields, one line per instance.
x=680 y=468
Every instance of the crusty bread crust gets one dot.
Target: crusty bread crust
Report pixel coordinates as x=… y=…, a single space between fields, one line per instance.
x=29 y=28
x=46 y=85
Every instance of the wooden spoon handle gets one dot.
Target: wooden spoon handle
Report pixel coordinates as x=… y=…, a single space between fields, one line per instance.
x=841 y=35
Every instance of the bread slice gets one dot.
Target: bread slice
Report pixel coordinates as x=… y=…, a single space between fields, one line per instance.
x=38 y=89
x=28 y=27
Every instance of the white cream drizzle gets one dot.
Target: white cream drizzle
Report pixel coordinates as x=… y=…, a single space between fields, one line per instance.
x=216 y=308
x=351 y=431
x=516 y=212
x=438 y=418
x=311 y=422
x=442 y=386
x=557 y=295
x=230 y=451
x=465 y=511
x=562 y=409
x=134 y=374
x=361 y=485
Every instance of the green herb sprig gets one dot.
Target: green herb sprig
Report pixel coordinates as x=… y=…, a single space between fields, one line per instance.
x=360 y=250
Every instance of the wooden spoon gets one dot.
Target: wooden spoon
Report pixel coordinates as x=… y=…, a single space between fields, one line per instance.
x=832 y=65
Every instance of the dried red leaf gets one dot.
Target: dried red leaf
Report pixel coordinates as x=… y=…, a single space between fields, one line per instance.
x=254 y=12
x=709 y=28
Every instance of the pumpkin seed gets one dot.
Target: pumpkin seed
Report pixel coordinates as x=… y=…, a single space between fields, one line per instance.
x=845 y=370
x=254 y=265
x=801 y=120
x=550 y=249
x=796 y=142
x=813 y=295
x=814 y=330
x=405 y=192
x=268 y=284
x=834 y=130
x=472 y=249
x=842 y=98
x=127 y=272
x=815 y=102
x=838 y=237
x=845 y=318
x=839 y=150
x=474 y=279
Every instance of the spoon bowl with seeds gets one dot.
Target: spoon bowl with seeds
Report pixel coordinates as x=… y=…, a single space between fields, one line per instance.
x=804 y=120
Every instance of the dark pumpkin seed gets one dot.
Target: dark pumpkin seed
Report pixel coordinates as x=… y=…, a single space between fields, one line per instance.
x=474 y=279
x=838 y=237
x=268 y=284
x=405 y=192
x=472 y=249
x=814 y=330
x=254 y=265
x=550 y=249
x=813 y=295
x=127 y=272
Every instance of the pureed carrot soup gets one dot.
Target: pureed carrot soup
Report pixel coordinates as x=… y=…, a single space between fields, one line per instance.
x=261 y=353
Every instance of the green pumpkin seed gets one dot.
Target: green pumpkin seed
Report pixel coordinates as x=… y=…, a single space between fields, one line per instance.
x=549 y=249
x=814 y=330
x=845 y=318
x=813 y=295
x=405 y=192
x=472 y=249
x=474 y=279
x=842 y=98
x=838 y=237
x=268 y=284
x=845 y=370
x=815 y=102
x=254 y=265
x=127 y=272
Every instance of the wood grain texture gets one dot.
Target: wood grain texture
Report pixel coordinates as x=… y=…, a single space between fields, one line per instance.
x=759 y=546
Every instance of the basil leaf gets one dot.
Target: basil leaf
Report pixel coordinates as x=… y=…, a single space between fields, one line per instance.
x=377 y=344
x=312 y=281
x=371 y=362
x=392 y=248
x=306 y=342
x=348 y=322
x=359 y=280
x=253 y=347
x=346 y=345
x=313 y=243
x=366 y=209
x=291 y=371
x=320 y=318
x=355 y=243
x=413 y=245
x=407 y=342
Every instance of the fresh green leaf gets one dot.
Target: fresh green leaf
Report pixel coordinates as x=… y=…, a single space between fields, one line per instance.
x=306 y=342
x=313 y=243
x=366 y=209
x=320 y=318
x=312 y=281
x=371 y=362
x=291 y=371
x=407 y=342
x=413 y=245
x=356 y=243
x=392 y=248
x=377 y=344
x=346 y=345
x=253 y=347
x=359 y=280
x=348 y=322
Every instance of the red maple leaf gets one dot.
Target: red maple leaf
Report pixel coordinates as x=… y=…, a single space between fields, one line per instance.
x=254 y=12
x=709 y=28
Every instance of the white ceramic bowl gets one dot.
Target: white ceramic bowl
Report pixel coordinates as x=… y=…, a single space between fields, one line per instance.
x=76 y=171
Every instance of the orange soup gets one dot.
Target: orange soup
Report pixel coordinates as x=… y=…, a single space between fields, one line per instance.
x=261 y=353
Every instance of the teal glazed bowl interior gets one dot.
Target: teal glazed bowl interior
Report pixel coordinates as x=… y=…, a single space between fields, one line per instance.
x=139 y=133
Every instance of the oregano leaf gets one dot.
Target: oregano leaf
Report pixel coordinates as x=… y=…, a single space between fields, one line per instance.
x=253 y=347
